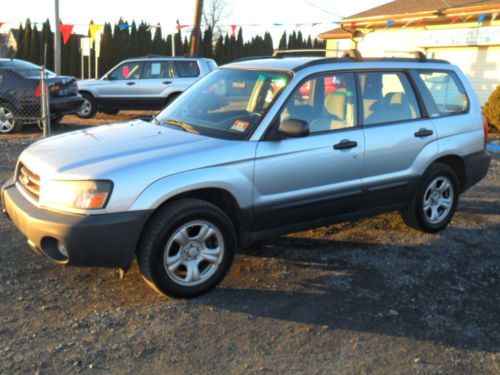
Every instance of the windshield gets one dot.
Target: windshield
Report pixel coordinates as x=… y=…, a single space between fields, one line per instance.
x=227 y=103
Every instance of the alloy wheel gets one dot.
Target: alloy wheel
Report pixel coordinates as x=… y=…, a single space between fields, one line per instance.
x=438 y=199
x=7 y=121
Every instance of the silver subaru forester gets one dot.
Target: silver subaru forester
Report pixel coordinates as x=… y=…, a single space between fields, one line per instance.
x=257 y=148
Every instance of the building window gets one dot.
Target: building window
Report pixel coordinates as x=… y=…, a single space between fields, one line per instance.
x=387 y=97
x=447 y=92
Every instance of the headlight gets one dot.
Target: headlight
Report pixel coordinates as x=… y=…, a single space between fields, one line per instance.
x=75 y=194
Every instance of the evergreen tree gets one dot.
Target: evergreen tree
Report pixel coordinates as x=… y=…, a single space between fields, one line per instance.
x=168 y=45
x=47 y=39
x=206 y=49
x=300 y=41
x=19 y=41
x=34 y=54
x=283 y=44
x=106 y=58
x=74 y=57
x=309 y=42
x=268 y=44
x=26 y=41
x=158 y=47
x=134 y=40
x=219 y=50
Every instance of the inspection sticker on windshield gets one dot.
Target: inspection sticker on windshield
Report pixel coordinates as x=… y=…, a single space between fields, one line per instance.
x=240 y=126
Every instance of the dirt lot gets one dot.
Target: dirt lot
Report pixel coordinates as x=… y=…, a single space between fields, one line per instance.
x=366 y=297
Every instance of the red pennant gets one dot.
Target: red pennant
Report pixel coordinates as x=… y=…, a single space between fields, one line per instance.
x=1 y=24
x=455 y=19
x=233 y=30
x=66 y=31
x=180 y=27
x=352 y=24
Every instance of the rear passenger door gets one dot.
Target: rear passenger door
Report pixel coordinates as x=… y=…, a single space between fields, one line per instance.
x=397 y=133
x=156 y=84
x=186 y=72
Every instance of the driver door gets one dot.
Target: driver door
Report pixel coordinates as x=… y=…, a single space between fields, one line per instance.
x=121 y=88
x=315 y=178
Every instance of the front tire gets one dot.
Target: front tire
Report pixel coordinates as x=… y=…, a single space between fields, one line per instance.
x=434 y=204
x=88 y=108
x=187 y=248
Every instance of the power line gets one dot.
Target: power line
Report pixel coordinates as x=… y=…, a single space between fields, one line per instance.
x=322 y=9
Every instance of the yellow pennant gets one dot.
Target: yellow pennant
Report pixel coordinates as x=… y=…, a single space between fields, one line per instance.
x=94 y=29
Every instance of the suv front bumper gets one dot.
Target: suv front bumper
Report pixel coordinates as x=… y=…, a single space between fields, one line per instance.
x=107 y=240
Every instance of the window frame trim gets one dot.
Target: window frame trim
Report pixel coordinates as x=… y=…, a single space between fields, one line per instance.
x=428 y=93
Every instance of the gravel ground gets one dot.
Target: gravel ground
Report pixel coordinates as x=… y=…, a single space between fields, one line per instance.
x=365 y=297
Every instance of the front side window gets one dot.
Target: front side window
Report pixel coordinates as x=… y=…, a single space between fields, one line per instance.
x=156 y=70
x=186 y=69
x=387 y=97
x=446 y=90
x=126 y=71
x=326 y=103
x=227 y=103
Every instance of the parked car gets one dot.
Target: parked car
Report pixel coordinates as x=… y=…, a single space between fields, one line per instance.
x=241 y=156
x=20 y=92
x=147 y=83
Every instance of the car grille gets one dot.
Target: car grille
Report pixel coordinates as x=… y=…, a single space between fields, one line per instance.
x=29 y=181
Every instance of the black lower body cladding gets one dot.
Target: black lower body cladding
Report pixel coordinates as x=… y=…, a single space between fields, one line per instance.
x=107 y=240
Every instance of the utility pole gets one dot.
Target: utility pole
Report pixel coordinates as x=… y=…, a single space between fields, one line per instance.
x=196 y=33
x=57 y=40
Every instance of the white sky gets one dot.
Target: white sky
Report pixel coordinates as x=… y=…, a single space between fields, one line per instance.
x=165 y=12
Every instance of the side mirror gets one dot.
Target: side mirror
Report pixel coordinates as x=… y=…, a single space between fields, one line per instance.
x=294 y=128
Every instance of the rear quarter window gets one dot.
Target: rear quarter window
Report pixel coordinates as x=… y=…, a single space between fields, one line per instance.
x=186 y=69
x=446 y=90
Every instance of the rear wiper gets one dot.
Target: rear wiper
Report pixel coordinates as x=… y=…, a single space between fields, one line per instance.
x=180 y=124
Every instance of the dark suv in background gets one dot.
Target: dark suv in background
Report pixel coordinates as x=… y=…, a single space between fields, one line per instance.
x=20 y=95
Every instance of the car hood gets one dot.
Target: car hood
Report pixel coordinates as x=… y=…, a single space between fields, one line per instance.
x=113 y=151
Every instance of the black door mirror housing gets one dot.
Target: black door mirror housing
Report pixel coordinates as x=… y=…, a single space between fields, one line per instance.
x=294 y=128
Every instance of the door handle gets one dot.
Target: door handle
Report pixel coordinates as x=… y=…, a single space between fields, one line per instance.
x=167 y=82
x=130 y=83
x=345 y=144
x=423 y=133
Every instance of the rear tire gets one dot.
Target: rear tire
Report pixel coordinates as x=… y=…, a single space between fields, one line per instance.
x=186 y=248
x=8 y=122
x=89 y=107
x=435 y=201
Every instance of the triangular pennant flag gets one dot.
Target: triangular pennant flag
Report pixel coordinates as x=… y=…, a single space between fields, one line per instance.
x=66 y=31
x=1 y=24
x=297 y=25
x=352 y=24
x=481 y=18
x=94 y=29
x=389 y=24
x=454 y=19
x=277 y=24
x=124 y=26
x=314 y=24
x=493 y=17
x=233 y=30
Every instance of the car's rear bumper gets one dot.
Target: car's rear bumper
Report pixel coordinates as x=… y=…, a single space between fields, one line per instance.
x=66 y=105
x=476 y=168
x=107 y=240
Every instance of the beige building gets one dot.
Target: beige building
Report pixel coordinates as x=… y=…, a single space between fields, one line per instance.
x=464 y=32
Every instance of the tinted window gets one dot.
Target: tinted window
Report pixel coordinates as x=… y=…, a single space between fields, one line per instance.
x=157 y=69
x=446 y=90
x=187 y=68
x=325 y=103
x=387 y=97
x=128 y=70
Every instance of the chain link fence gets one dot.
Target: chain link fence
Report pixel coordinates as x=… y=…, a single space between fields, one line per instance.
x=23 y=99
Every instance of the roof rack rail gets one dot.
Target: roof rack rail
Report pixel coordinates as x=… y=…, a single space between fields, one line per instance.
x=300 y=52
x=419 y=55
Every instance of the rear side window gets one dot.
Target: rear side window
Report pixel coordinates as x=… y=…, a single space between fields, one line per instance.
x=387 y=97
x=156 y=69
x=187 y=69
x=446 y=90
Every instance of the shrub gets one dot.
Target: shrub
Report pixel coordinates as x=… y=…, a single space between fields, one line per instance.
x=492 y=109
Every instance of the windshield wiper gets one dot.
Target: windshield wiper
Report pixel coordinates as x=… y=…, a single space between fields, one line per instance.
x=183 y=125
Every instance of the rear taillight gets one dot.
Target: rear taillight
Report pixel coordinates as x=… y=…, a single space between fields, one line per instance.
x=38 y=91
x=485 y=129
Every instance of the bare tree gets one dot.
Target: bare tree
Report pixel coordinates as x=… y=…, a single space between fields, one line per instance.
x=215 y=12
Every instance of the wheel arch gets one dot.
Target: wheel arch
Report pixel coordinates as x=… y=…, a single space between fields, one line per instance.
x=456 y=163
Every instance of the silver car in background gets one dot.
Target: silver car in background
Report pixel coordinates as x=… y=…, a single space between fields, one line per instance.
x=147 y=83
